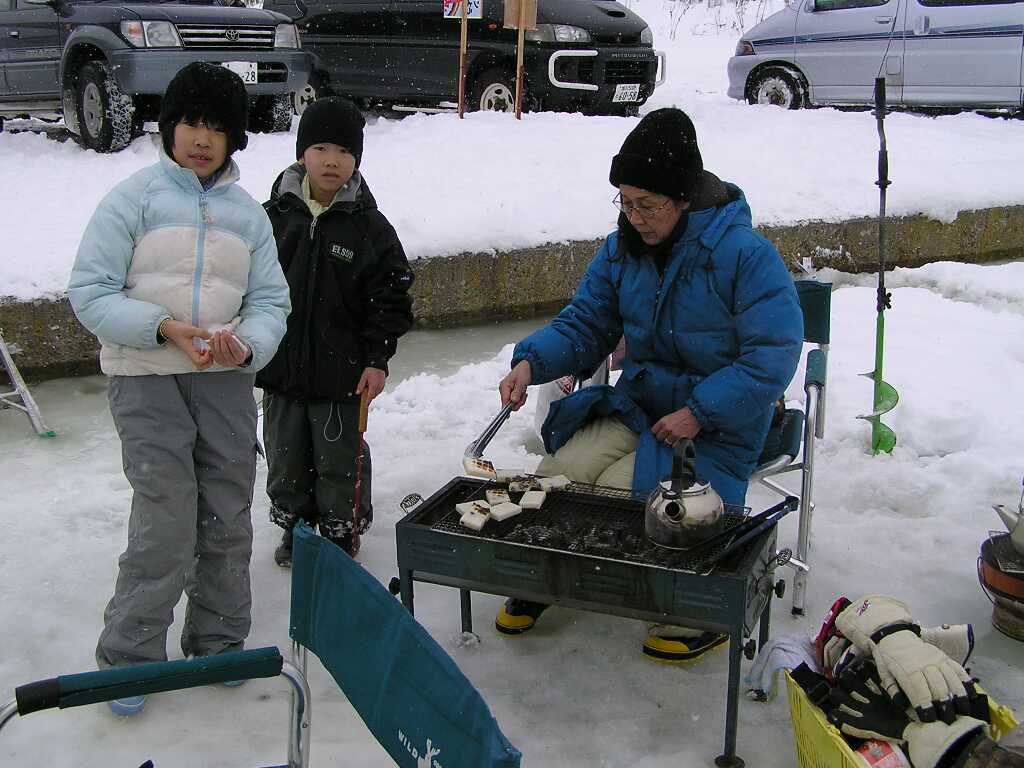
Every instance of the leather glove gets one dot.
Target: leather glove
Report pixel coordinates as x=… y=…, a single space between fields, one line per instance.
x=862 y=710
x=911 y=671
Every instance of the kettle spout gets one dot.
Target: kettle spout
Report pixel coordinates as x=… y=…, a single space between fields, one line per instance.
x=1011 y=518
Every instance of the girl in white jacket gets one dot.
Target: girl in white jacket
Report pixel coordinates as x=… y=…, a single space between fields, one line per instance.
x=177 y=275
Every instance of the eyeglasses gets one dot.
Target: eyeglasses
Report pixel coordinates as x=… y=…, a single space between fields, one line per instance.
x=643 y=211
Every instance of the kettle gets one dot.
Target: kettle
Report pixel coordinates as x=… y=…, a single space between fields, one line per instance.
x=682 y=510
x=1014 y=522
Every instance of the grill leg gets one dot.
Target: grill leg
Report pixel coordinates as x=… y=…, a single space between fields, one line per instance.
x=405 y=577
x=732 y=702
x=766 y=618
x=467 y=610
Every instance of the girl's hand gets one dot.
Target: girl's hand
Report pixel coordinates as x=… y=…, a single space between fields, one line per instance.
x=228 y=350
x=181 y=334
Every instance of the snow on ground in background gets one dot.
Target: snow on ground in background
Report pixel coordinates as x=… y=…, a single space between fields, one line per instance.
x=488 y=182
x=575 y=691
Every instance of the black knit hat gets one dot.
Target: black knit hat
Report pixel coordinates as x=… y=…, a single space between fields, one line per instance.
x=207 y=92
x=661 y=155
x=331 y=121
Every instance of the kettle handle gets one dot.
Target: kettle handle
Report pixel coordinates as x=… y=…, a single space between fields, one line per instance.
x=684 y=467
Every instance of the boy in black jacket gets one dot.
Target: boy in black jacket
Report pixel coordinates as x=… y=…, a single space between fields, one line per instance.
x=349 y=281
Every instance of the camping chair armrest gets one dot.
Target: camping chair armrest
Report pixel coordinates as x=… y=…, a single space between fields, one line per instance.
x=141 y=679
x=816 y=369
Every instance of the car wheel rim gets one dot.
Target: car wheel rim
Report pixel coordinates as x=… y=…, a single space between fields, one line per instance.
x=304 y=98
x=497 y=97
x=92 y=109
x=775 y=91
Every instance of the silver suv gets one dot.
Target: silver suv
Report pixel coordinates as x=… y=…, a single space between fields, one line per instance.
x=932 y=53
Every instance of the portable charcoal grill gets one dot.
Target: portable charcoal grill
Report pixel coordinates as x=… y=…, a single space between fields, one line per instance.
x=585 y=549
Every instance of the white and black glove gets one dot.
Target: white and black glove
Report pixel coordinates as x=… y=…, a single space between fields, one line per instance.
x=861 y=709
x=911 y=671
x=955 y=641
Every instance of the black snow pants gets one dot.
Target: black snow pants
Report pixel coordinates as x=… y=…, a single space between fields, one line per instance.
x=311 y=447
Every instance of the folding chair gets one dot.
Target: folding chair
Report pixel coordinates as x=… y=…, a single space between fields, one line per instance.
x=416 y=702
x=798 y=429
x=414 y=699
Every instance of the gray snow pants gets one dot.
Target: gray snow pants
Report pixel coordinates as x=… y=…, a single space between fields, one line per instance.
x=311 y=450
x=188 y=444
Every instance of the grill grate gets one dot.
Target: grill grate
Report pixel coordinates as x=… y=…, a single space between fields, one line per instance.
x=583 y=520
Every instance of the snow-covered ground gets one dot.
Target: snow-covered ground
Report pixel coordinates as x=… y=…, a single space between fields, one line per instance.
x=490 y=182
x=575 y=691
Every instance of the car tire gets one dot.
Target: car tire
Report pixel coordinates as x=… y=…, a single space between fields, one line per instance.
x=494 y=90
x=106 y=115
x=776 y=86
x=271 y=114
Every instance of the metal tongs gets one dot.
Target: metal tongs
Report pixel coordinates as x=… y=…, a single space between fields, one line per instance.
x=472 y=460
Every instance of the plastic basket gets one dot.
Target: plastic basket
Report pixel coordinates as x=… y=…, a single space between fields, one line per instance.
x=820 y=745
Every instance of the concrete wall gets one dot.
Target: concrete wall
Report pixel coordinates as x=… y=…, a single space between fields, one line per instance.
x=469 y=288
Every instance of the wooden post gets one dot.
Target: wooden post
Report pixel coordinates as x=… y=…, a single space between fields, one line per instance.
x=520 y=42
x=462 y=59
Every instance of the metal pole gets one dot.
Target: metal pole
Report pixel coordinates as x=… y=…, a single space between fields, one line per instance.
x=462 y=60
x=520 y=42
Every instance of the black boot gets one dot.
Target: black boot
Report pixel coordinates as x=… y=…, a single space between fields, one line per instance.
x=283 y=553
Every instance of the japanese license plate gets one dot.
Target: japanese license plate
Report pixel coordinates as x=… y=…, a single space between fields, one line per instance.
x=245 y=70
x=627 y=92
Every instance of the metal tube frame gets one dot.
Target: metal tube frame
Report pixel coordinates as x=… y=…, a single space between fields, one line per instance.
x=814 y=428
x=7 y=711
x=298 y=733
x=803 y=541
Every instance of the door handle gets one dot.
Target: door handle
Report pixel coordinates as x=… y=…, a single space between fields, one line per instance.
x=883 y=19
x=13 y=33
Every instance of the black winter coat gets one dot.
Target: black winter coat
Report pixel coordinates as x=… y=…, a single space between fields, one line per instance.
x=349 y=281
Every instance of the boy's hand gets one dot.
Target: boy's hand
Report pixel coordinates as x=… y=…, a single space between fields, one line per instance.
x=228 y=349
x=181 y=334
x=372 y=381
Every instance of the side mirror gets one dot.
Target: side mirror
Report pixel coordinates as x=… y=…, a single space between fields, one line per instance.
x=810 y=6
x=303 y=10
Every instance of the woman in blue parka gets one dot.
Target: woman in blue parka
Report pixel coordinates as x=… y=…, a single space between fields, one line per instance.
x=713 y=334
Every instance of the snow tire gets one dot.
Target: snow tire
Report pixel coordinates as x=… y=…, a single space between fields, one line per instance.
x=104 y=113
x=776 y=86
x=271 y=114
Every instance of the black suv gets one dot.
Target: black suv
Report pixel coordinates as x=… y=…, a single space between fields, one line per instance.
x=591 y=56
x=103 y=65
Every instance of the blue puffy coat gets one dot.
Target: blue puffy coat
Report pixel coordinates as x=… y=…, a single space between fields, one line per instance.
x=720 y=333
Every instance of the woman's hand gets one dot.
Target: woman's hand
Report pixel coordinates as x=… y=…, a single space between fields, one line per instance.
x=677 y=425
x=372 y=381
x=228 y=350
x=181 y=334
x=513 y=387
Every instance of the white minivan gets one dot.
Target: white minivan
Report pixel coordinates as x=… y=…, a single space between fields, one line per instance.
x=932 y=53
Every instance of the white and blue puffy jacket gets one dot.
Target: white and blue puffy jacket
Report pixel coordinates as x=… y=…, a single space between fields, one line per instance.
x=160 y=246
